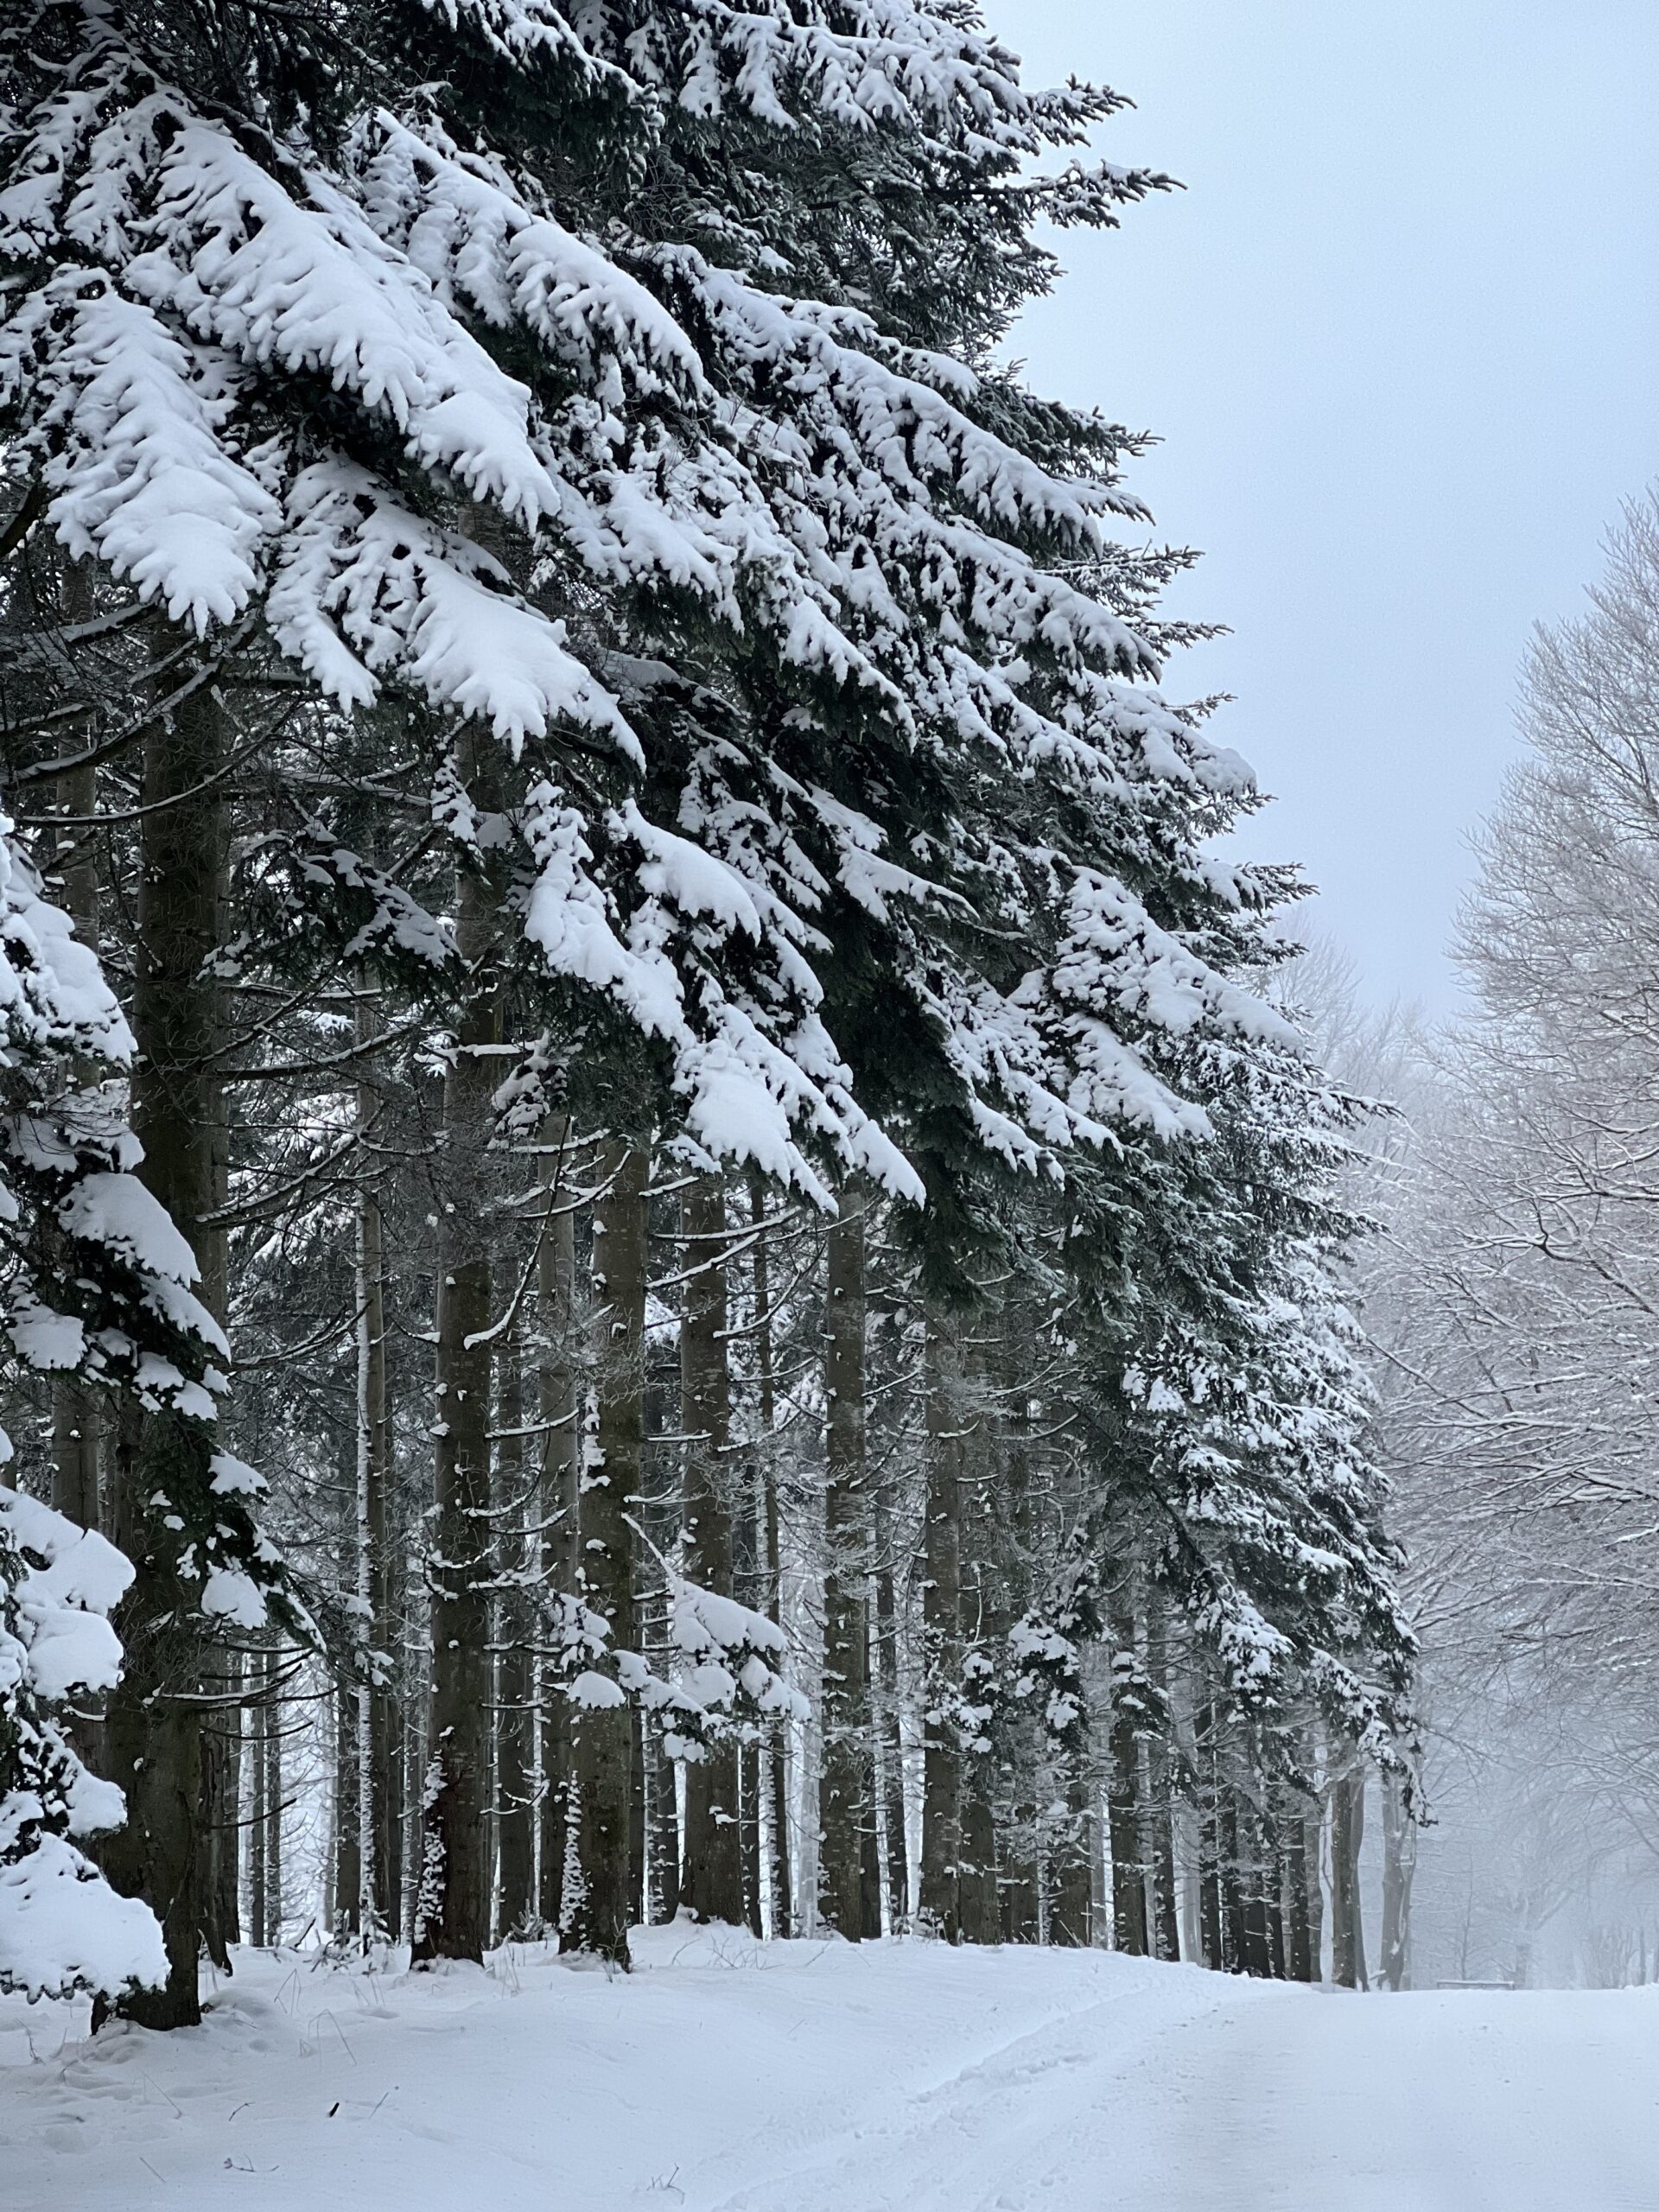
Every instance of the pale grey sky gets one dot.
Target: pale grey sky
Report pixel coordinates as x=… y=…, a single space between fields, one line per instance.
x=1400 y=337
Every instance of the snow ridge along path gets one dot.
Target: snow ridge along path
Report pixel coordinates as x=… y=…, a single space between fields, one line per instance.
x=726 y=2076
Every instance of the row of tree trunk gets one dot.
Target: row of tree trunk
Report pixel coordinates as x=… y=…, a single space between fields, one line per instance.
x=522 y=1788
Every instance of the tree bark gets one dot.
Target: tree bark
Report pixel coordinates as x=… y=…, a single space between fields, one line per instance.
x=222 y=1667
x=663 y=1846
x=986 y=1620
x=712 y=1887
x=1234 y=1937
x=1399 y=1866
x=889 y=1745
x=941 y=1627
x=773 y=1777
x=595 y=1910
x=272 y=1751
x=1302 y=1945
x=1253 y=1882
x=1123 y=1802
x=74 y=1404
x=153 y=1733
x=515 y=1809
x=454 y=1912
x=1212 y=1923
x=1161 y=1809
x=374 y=1901
x=254 y=1761
x=849 y=1897
x=559 y=1400
x=1347 y=1926
x=343 y=1881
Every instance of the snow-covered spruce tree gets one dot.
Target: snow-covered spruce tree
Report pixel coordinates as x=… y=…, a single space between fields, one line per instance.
x=592 y=379
x=1234 y=1447
x=94 y=1282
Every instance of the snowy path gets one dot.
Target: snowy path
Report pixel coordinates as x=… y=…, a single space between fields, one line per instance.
x=815 y=2079
x=1271 y=2098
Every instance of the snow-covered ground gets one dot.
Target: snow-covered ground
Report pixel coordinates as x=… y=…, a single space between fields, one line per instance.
x=815 y=2078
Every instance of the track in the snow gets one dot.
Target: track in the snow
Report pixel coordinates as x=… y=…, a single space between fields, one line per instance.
x=726 y=2077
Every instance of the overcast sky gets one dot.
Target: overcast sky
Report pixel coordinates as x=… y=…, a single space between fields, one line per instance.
x=1400 y=337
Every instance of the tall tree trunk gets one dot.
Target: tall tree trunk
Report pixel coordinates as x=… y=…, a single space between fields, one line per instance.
x=1273 y=1886
x=222 y=1918
x=774 y=1775
x=1160 y=1806
x=221 y=1668
x=986 y=1620
x=454 y=1904
x=889 y=1746
x=713 y=1883
x=1254 y=1880
x=595 y=1910
x=1234 y=1937
x=216 y=1861
x=663 y=1853
x=1399 y=1864
x=343 y=1882
x=272 y=1749
x=942 y=1626
x=1211 y=1920
x=153 y=1738
x=748 y=1799
x=515 y=1808
x=1301 y=1944
x=254 y=1819
x=848 y=1898
x=1347 y=1925
x=374 y=1901
x=559 y=1398
x=1123 y=1799
x=74 y=1404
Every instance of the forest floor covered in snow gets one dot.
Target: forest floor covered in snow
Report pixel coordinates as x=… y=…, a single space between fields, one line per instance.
x=806 y=2077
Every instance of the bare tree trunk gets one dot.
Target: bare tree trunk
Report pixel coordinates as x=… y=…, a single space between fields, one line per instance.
x=712 y=1885
x=1160 y=1808
x=221 y=1668
x=986 y=1621
x=1274 y=1890
x=514 y=1717
x=74 y=1404
x=889 y=1744
x=374 y=1902
x=1212 y=1922
x=1123 y=1800
x=1253 y=1884
x=224 y=1915
x=343 y=1878
x=259 y=1720
x=1399 y=1864
x=559 y=1397
x=942 y=1625
x=153 y=1737
x=1347 y=1927
x=748 y=1799
x=1301 y=1944
x=774 y=1778
x=848 y=1898
x=273 y=1797
x=454 y=1912
x=1232 y=1884
x=663 y=1853
x=595 y=1908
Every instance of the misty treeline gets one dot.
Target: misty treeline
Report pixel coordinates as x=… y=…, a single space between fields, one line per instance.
x=1511 y=1302
x=680 y=1253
